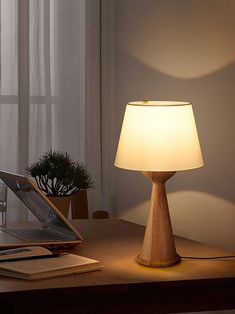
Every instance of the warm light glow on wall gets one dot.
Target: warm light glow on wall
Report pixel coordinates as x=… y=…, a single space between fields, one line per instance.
x=183 y=39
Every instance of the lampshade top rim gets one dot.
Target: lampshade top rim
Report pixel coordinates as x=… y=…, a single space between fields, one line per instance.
x=159 y=103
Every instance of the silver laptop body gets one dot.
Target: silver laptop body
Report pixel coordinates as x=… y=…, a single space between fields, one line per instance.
x=53 y=229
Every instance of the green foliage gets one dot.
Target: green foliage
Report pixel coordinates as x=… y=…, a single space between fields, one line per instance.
x=58 y=175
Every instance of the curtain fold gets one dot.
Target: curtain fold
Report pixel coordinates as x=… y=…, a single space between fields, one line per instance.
x=43 y=87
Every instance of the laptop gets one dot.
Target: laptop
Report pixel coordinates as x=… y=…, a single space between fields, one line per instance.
x=52 y=229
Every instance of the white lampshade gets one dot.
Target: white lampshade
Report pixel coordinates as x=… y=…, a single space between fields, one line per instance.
x=159 y=136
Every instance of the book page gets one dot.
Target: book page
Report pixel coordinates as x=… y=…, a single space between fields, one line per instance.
x=23 y=252
x=37 y=266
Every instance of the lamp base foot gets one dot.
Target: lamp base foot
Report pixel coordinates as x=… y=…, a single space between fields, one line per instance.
x=159 y=263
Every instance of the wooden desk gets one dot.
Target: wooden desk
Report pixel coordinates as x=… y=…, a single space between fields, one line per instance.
x=123 y=286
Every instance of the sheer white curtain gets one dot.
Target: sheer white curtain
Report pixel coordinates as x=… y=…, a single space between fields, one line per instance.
x=43 y=101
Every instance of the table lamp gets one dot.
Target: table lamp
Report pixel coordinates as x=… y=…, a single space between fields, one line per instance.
x=158 y=138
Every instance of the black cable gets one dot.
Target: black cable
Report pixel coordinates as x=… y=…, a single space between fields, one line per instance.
x=209 y=257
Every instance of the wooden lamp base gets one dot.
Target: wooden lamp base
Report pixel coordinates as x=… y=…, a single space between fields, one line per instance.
x=158 y=248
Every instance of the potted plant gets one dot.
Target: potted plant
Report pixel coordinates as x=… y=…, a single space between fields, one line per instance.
x=59 y=177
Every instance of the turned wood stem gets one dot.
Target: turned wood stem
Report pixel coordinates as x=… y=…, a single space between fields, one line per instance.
x=158 y=247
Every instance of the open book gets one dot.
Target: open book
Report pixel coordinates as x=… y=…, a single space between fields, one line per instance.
x=36 y=262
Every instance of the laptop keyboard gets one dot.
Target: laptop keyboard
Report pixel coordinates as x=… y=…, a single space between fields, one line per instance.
x=34 y=235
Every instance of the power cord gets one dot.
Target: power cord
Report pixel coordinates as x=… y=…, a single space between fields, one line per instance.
x=209 y=257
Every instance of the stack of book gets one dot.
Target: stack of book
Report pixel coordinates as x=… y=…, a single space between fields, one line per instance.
x=33 y=263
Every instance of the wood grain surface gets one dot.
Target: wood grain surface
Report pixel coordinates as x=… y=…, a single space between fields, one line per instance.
x=124 y=286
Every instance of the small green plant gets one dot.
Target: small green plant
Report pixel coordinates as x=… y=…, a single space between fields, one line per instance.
x=57 y=174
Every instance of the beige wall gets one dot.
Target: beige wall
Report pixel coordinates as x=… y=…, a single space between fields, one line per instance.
x=174 y=50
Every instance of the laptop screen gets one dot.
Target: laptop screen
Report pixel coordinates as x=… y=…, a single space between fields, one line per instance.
x=33 y=199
